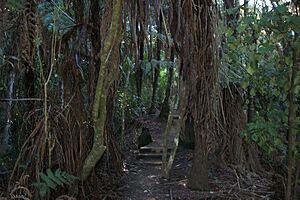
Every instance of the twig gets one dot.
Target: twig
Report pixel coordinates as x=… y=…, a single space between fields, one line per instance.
x=237 y=178
x=257 y=191
x=171 y=194
x=176 y=182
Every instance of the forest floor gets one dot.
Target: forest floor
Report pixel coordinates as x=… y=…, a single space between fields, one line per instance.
x=144 y=182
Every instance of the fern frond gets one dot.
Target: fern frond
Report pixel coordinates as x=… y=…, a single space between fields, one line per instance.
x=52 y=180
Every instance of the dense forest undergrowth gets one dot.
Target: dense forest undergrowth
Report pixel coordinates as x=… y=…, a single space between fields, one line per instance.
x=144 y=99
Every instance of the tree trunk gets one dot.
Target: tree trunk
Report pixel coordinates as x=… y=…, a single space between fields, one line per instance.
x=199 y=55
x=139 y=36
x=139 y=70
x=100 y=102
x=233 y=122
x=291 y=124
x=28 y=35
x=198 y=178
x=165 y=109
x=173 y=16
x=95 y=20
x=4 y=144
x=157 y=67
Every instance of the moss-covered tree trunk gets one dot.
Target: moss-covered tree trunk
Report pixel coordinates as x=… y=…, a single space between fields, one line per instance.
x=100 y=102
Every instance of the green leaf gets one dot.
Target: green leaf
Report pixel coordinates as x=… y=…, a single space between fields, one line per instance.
x=252 y=92
x=52 y=180
x=229 y=32
x=277 y=142
x=248 y=19
x=282 y=9
x=244 y=84
x=69 y=177
x=231 y=11
x=296 y=44
x=254 y=137
x=48 y=181
x=275 y=19
x=294 y=19
x=277 y=93
x=241 y=28
x=264 y=21
x=250 y=70
x=51 y=175
x=248 y=39
x=58 y=173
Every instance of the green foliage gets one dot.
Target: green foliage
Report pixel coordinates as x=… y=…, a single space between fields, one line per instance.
x=55 y=16
x=126 y=94
x=258 y=57
x=266 y=133
x=15 y=5
x=52 y=180
x=160 y=36
x=134 y=105
x=161 y=63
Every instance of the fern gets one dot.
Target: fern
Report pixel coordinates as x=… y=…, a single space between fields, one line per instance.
x=52 y=180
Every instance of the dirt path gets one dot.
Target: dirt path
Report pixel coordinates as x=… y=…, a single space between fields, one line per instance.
x=144 y=182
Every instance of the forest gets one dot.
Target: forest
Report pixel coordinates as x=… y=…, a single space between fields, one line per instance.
x=149 y=99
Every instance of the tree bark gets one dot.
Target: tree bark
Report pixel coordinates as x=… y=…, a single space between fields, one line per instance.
x=199 y=55
x=139 y=36
x=100 y=102
x=165 y=109
x=157 y=67
x=28 y=35
x=4 y=144
x=173 y=17
x=291 y=124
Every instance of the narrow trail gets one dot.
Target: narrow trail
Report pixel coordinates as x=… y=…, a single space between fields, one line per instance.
x=143 y=179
